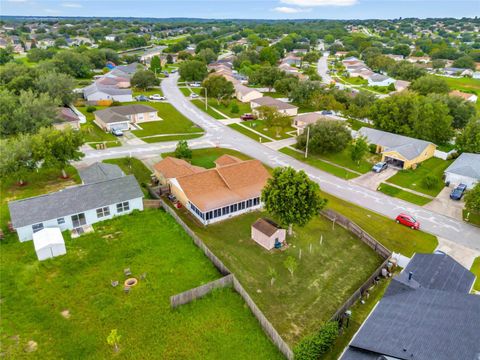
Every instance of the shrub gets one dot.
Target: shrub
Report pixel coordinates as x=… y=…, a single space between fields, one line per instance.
x=234 y=108
x=429 y=182
x=314 y=346
x=372 y=148
x=91 y=108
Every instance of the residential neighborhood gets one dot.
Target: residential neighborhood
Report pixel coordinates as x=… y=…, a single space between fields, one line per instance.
x=264 y=180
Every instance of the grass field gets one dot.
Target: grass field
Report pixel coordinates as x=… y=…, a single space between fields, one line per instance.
x=476 y=270
x=394 y=236
x=35 y=183
x=412 y=179
x=259 y=125
x=402 y=194
x=93 y=133
x=318 y=163
x=472 y=218
x=148 y=92
x=201 y=105
x=206 y=157
x=357 y=124
x=249 y=133
x=227 y=109
x=465 y=84
x=34 y=294
x=133 y=166
x=326 y=276
x=156 y=139
x=344 y=159
x=185 y=91
x=173 y=122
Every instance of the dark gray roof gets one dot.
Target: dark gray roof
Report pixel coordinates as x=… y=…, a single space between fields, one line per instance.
x=422 y=319
x=467 y=165
x=406 y=146
x=73 y=200
x=99 y=172
x=378 y=77
x=107 y=89
x=118 y=113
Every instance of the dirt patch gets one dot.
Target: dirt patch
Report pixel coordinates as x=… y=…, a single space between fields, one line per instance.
x=66 y=314
x=31 y=346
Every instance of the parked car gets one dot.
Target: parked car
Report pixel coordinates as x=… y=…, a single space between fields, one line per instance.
x=327 y=112
x=117 y=132
x=247 y=117
x=157 y=97
x=408 y=220
x=193 y=95
x=458 y=192
x=195 y=84
x=141 y=98
x=174 y=71
x=379 y=167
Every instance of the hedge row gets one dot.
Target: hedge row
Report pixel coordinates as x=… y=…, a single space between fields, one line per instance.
x=312 y=347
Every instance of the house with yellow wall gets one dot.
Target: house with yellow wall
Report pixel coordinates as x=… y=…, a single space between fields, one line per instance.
x=397 y=150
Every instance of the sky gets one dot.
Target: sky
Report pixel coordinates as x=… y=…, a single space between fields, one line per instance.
x=245 y=9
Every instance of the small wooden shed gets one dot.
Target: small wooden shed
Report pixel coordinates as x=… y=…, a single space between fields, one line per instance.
x=266 y=233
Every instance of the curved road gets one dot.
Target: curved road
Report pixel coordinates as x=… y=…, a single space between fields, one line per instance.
x=223 y=136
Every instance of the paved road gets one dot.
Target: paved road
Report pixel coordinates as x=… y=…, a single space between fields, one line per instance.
x=221 y=135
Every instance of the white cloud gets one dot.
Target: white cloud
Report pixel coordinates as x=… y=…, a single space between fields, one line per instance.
x=320 y=2
x=289 y=10
x=71 y=5
x=17 y=1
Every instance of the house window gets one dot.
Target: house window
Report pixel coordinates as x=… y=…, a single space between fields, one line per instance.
x=256 y=201
x=104 y=211
x=60 y=221
x=241 y=205
x=217 y=213
x=123 y=206
x=226 y=210
x=249 y=203
x=37 y=227
x=233 y=208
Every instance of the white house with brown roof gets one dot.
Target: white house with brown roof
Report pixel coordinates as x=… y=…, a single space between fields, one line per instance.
x=245 y=94
x=267 y=234
x=281 y=106
x=232 y=188
x=122 y=117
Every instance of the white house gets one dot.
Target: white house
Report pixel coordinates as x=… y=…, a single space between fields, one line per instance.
x=97 y=92
x=120 y=117
x=281 y=106
x=464 y=170
x=106 y=192
x=245 y=94
x=380 y=80
x=110 y=37
x=49 y=243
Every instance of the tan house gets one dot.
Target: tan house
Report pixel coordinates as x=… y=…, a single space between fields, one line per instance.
x=245 y=94
x=301 y=121
x=401 y=85
x=281 y=106
x=122 y=117
x=268 y=234
x=397 y=150
x=232 y=188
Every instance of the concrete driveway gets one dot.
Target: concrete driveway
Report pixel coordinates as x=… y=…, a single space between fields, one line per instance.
x=372 y=180
x=442 y=204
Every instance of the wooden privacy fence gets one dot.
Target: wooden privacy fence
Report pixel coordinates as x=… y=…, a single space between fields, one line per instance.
x=152 y=203
x=198 y=292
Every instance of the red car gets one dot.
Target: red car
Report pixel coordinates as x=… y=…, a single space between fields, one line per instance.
x=408 y=220
x=247 y=117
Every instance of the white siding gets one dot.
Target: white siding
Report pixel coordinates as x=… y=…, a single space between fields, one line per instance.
x=456 y=179
x=25 y=233
x=103 y=96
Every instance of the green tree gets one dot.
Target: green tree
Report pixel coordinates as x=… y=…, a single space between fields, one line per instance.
x=144 y=79
x=266 y=76
x=57 y=85
x=193 y=70
x=218 y=87
x=207 y=55
x=464 y=62
x=169 y=59
x=290 y=264
x=292 y=197
x=182 y=151
x=269 y=54
x=401 y=49
x=37 y=54
x=155 y=65
x=469 y=139
x=6 y=55
x=460 y=110
x=430 y=84
x=311 y=57
x=72 y=63
x=273 y=118
x=316 y=345
x=113 y=339
x=302 y=93
x=325 y=137
x=438 y=63
x=472 y=199
x=286 y=85
x=433 y=122
x=359 y=149
x=208 y=44
x=17 y=157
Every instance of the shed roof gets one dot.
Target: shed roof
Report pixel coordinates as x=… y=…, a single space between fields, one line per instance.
x=467 y=164
x=266 y=226
x=47 y=237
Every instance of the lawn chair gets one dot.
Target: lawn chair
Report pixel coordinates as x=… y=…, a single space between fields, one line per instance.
x=143 y=276
x=114 y=283
x=127 y=272
x=126 y=289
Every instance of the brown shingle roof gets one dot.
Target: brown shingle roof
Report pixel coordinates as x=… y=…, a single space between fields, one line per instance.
x=461 y=94
x=227 y=160
x=172 y=168
x=265 y=226
x=225 y=185
x=269 y=101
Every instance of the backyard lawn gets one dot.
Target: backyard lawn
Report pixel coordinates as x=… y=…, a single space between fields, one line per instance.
x=185 y=91
x=250 y=134
x=413 y=179
x=332 y=266
x=227 y=108
x=206 y=157
x=402 y=194
x=259 y=125
x=68 y=307
x=476 y=270
x=133 y=166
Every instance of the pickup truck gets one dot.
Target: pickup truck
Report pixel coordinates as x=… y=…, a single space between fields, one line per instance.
x=245 y=117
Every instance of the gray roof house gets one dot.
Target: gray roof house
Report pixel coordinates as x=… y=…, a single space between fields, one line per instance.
x=106 y=192
x=398 y=150
x=120 y=117
x=430 y=315
x=464 y=170
x=98 y=92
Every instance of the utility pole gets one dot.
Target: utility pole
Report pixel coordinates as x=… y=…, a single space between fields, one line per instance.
x=206 y=99
x=308 y=137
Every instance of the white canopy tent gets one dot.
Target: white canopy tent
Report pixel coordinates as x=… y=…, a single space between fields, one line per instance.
x=49 y=243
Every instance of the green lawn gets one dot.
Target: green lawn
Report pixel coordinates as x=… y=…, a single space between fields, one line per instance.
x=35 y=293
x=320 y=164
x=249 y=133
x=185 y=91
x=476 y=270
x=148 y=92
x=93 y=133
x=206 y=157
x=156 y=139
x=353 y=80
x=201 y=105
x=227 y=108
x=464 y=83
x=259 y=125
x=35 y=183
x=173 y=122
x=130 y=165
x=343 y=158
x=471 y=217
x=393 y=236
x=412 y=179
x=325 y=278
x=402 y=194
